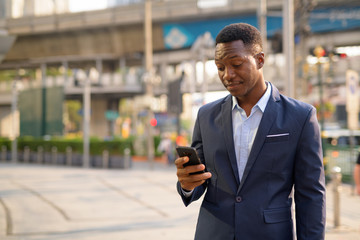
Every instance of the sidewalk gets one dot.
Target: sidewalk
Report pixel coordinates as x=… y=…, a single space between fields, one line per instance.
x=43 y=202
x=349 y=214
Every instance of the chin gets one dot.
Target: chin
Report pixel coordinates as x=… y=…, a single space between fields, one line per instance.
x=236 y=93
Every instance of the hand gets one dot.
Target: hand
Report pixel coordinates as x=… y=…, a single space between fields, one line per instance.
x=189 y=182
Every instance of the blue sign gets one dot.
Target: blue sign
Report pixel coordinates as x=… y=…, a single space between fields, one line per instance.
x=111 y=115
x=183 y=35
x=334 y=19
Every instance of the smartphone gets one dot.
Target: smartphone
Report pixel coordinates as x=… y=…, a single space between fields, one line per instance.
x=192 y=154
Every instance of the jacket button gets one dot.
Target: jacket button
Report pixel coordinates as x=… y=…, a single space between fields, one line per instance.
x=238 y=199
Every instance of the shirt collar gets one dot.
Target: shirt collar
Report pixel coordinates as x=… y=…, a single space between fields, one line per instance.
x=262 y=101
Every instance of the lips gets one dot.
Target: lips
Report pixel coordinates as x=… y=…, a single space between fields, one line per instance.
x=232 y=84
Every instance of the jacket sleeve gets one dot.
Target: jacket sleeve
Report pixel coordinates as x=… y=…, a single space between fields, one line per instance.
x=197 y=143
x=310 y=182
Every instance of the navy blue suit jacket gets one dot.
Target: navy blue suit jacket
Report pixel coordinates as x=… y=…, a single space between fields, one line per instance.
x=286 y=153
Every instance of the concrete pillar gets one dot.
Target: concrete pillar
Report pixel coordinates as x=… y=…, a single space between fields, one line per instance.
x=43 y=101
x=99 y=124
x=122 y=66
x=29 y=8
x=65 y=66
x=86 y=121
x=149 y=71
x=192 y=88
x=261 y=14
x=8 y=13
x=288 y=41
x=164 y=80
x=99 y=68
x=14 y=133
x=3 y=8
x=336 y=175
x=204 y=85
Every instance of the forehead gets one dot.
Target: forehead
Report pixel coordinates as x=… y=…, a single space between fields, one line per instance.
x=231 y=50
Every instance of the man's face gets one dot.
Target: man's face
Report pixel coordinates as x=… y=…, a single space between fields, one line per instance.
x=239 y=70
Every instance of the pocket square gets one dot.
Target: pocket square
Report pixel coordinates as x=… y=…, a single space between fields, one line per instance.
x=277 y=135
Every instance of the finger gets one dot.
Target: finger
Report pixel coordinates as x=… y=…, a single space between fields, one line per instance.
x=191 y=185
x=195 y=168
x=182 y=173
x=200 y=176
x=185 y=177
x=190 y=182
x=180 y=162
x=206 y=175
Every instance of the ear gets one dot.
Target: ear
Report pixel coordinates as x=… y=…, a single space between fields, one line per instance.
x=260 y=60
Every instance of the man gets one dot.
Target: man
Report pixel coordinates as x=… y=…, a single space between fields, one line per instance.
x=357 y=175
x=256 y=146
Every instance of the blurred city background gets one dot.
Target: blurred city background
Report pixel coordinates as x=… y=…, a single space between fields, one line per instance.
x=114 y=83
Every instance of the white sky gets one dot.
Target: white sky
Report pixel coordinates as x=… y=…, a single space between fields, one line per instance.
x=45 y=7
x=86 y=5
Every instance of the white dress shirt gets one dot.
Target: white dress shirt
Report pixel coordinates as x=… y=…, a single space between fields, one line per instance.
x=245 y=128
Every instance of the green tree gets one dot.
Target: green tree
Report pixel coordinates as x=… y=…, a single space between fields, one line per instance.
x=73 y=118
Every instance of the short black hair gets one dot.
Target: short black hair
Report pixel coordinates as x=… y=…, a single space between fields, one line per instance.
x=247 y=33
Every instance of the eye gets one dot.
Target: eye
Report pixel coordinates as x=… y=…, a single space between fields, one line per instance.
x=237 y=65
x=220 y=68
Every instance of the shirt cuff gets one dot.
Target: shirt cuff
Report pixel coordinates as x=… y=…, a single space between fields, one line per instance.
x=187 y=193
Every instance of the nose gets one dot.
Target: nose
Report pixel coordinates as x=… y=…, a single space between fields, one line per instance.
x=228 y=74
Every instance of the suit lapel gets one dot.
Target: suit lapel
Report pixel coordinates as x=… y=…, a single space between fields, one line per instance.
x=226 y=117
x=266 y=122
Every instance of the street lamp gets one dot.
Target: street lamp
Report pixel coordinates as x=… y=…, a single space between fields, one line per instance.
x=319 y=52
x=86 y=120
x=288 y=40
x=148 y=78
x=14 y=121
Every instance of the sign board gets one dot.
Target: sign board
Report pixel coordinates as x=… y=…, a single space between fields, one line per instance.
x=111 y=115
x=39 y=119
x=352 y=99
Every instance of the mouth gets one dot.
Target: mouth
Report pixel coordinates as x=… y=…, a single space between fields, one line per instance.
x=233 y=84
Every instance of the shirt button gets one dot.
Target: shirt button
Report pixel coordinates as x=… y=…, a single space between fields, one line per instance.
x=238 y=199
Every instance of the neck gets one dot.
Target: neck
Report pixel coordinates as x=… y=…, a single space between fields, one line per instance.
x=247 y=103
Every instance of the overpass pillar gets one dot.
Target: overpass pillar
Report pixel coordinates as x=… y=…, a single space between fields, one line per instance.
x=43 y=100
x=5 y=9
x=99 y=68
x=65 y=67
x=122 y=66
x=29 y=8
x=98 y=124
x=164 y=80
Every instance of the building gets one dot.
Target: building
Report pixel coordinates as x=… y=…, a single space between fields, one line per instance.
x=107 y=46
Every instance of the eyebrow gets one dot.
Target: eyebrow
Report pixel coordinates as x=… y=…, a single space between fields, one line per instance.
x=231 y=57
x=235 y=56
